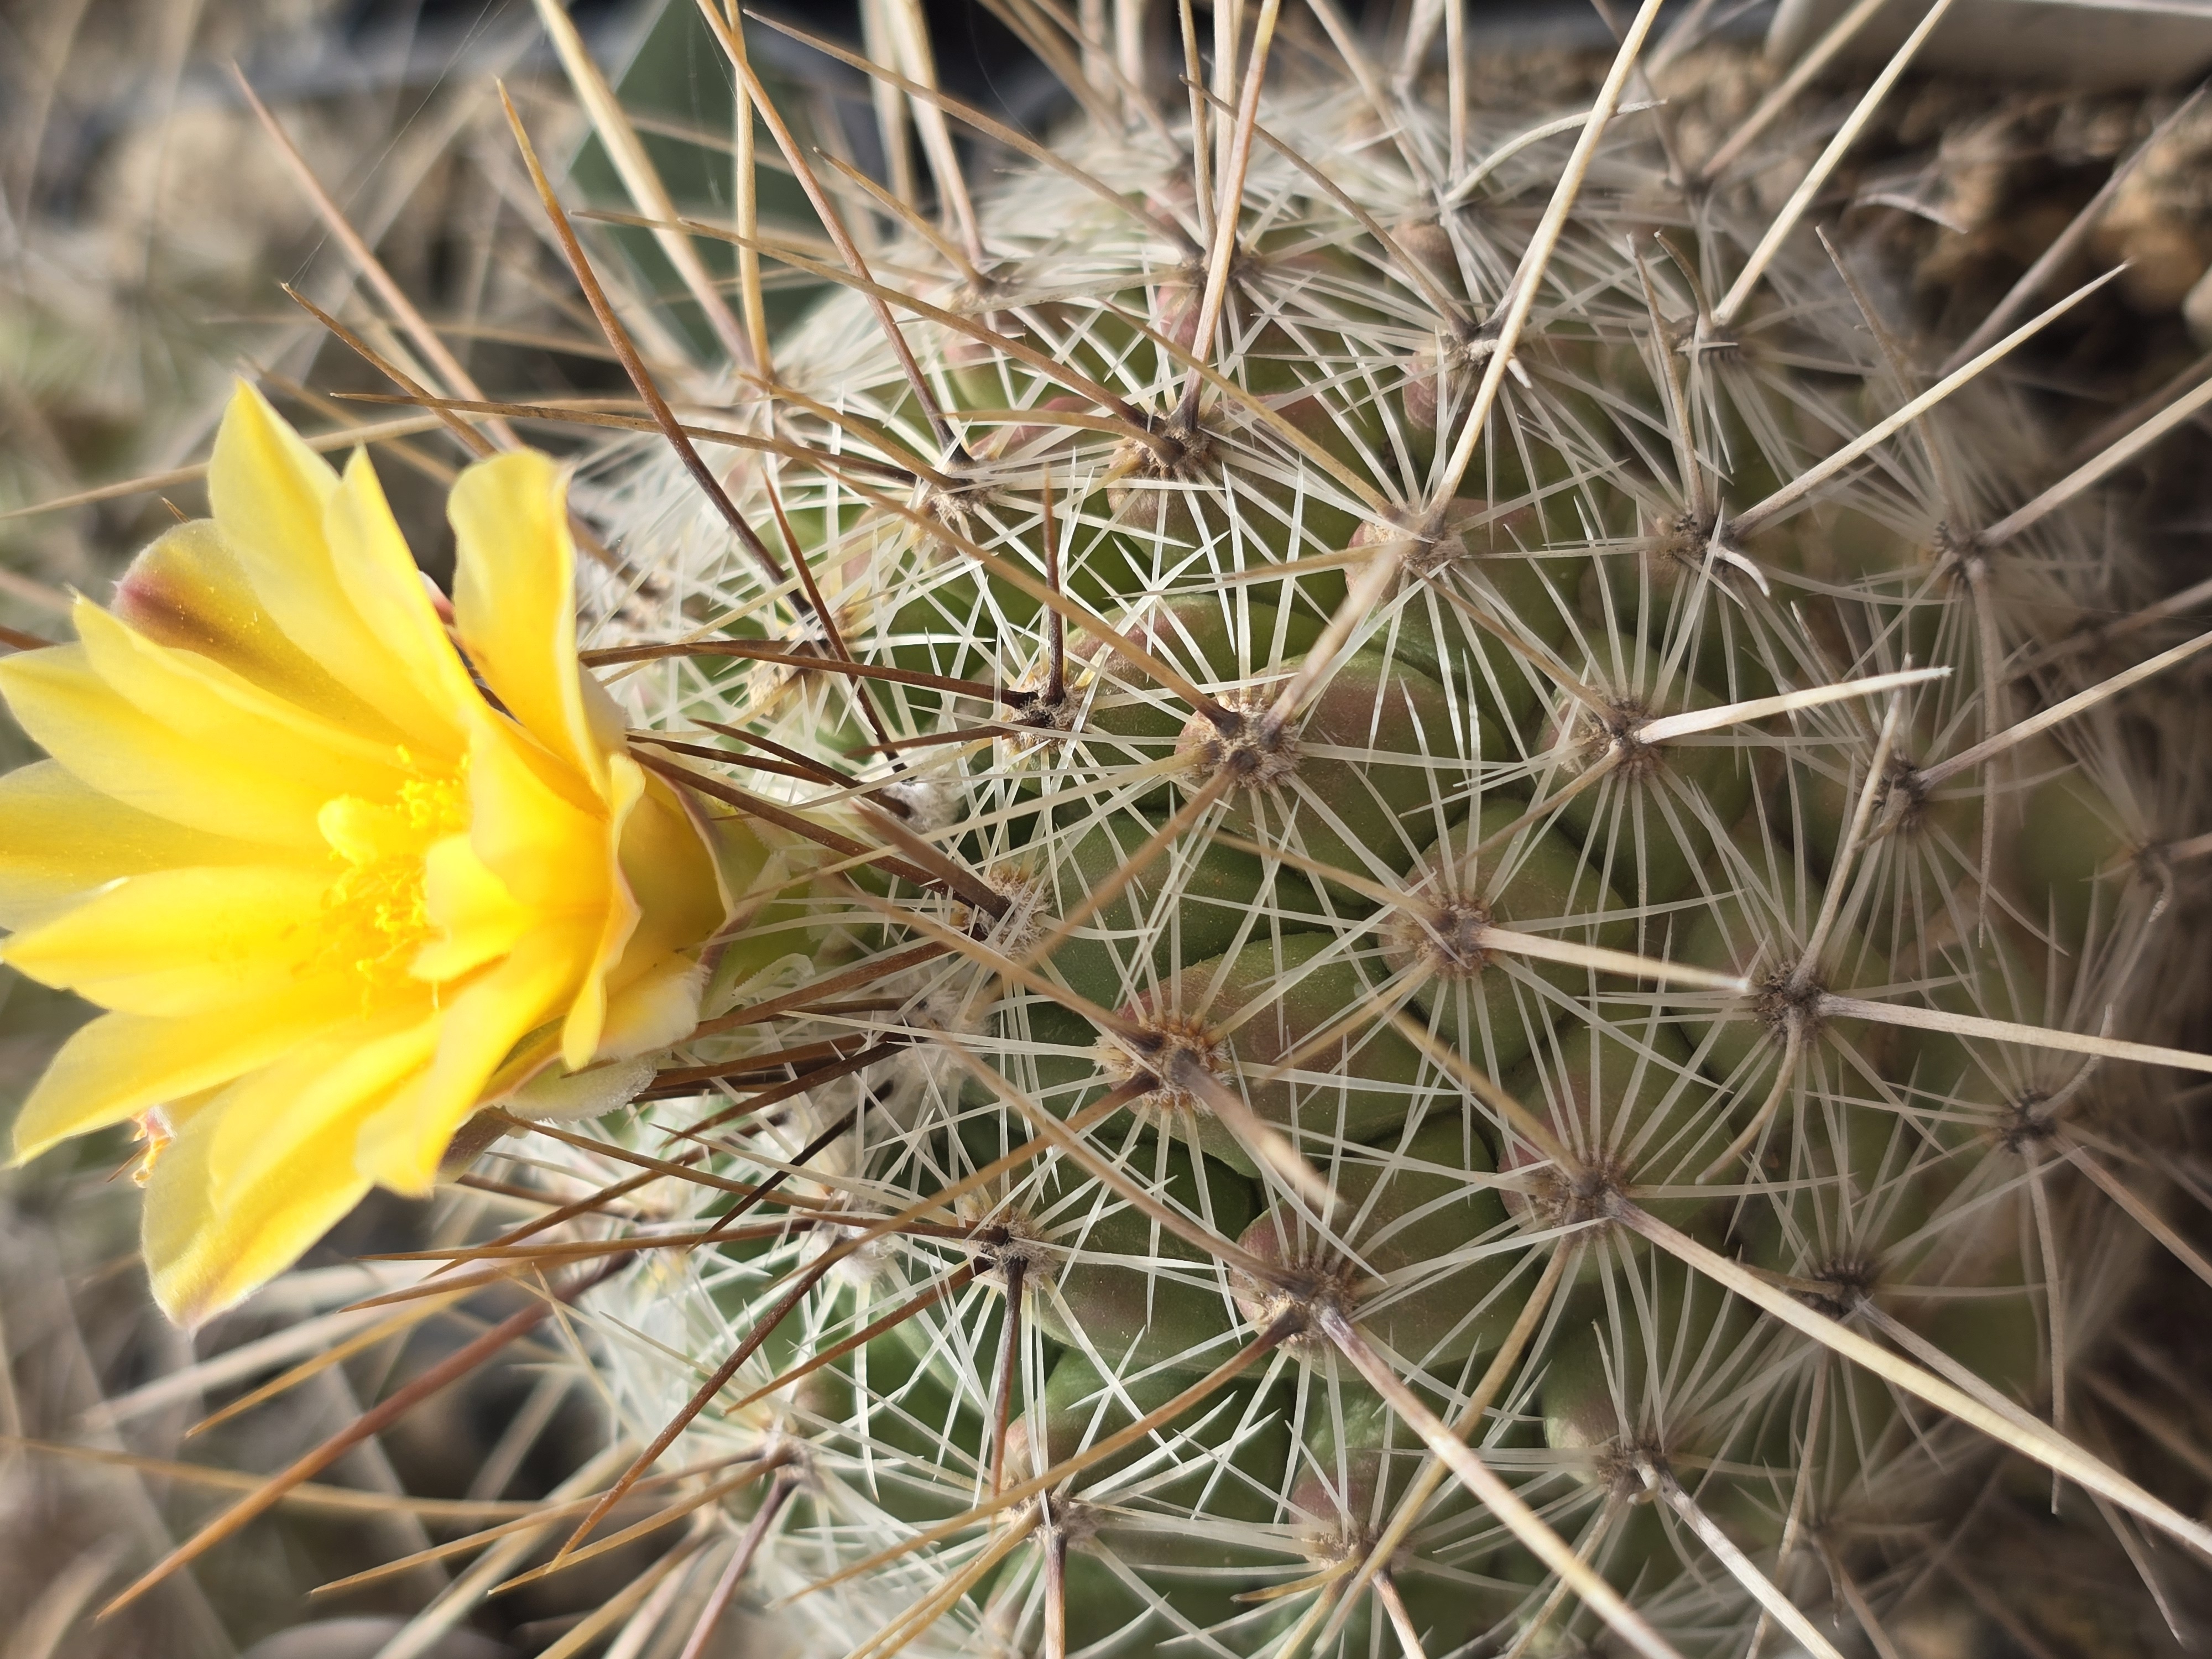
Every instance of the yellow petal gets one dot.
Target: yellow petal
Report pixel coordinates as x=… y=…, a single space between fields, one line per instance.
x=121 y=751
x=270 y=492
x=380 y=578
x=184 y=941
x=204 y=1256
x=476 y=917
x=202 y=701
x=60 y=840
x=400 y=1145
x=587 y=1012
x=189 y=592
x=275 y=1116
x=550 y=853
x=514 y=600
x=671 y=871
x=121 y=1064
x=649 y=975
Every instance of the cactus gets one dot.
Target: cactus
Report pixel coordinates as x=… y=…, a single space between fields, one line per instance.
x=1495 y=939
x=1486 y=941
x=1485 y=936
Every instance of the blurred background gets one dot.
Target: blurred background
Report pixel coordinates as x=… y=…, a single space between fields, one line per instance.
x=146 y=219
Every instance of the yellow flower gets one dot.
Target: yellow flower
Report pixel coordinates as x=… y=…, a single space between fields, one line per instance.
x=336 y=896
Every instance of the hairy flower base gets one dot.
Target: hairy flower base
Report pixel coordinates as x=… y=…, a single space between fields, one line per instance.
x=335 y=895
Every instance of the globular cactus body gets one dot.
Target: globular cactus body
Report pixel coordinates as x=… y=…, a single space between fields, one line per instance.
x=1433 y=870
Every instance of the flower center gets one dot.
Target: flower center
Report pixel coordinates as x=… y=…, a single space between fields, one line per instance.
x=376 y=913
